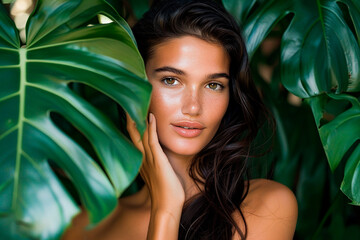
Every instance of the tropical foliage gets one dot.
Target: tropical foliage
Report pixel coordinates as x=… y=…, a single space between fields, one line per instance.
x=314 y=53
x=57 y=101
x=65 y=49
x=320 y=59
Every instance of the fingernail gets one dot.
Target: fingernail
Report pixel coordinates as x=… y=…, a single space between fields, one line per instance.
x=151 y=117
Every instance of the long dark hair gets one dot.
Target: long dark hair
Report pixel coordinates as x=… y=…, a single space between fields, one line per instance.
x=221 y=167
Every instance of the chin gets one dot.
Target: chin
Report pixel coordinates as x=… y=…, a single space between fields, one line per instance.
x=184 y=148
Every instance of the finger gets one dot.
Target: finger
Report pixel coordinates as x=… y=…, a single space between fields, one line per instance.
x=134 y=133
x=145 y=141
x=143 y=173
x=154 y=144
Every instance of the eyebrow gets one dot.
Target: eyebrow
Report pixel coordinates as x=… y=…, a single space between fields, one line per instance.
x=170 y=69
x=219 y=75
x=180 y=72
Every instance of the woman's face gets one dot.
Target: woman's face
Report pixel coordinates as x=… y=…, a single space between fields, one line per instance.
x=190 y=79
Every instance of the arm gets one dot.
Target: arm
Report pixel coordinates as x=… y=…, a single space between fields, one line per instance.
x=166 y=192
x=164 y=225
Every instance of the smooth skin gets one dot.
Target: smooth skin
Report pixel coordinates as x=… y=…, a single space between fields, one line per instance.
x=190 y=85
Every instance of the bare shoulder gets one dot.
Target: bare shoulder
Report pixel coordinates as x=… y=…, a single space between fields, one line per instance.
x=272 y=196
x=77 y=227
x=129 y=219
x=270 y=210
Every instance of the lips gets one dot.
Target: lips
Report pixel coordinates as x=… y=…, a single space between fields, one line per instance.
x=188 y=129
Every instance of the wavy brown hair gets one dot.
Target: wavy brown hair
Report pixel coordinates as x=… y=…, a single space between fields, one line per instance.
x=220 y=168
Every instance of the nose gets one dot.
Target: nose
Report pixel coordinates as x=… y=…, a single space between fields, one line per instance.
x=191 y=102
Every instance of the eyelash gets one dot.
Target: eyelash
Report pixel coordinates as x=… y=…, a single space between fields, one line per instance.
x=169 y=78
x=219 y=86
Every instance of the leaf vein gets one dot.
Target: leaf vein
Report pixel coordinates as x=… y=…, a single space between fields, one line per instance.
x=9 y=131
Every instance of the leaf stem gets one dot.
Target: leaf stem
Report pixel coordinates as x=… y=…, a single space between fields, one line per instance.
x=327 y=215
x=22 y=55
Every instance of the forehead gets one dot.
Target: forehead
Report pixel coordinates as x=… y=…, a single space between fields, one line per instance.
x=189 y=51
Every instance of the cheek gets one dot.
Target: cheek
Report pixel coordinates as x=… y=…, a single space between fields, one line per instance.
x=165 y=108
x=216 y=109
x=161 y=104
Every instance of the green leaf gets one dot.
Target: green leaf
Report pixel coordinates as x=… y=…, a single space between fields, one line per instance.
x=340 y=138
x=240 y=10
x=319 y=52
x=260 y=23
x=8 y=1
x=61 y=49
x=320 y=55
x=350 y=185
x=139 y=7
x=354 y=10
x=9 y=35
x=341 y=133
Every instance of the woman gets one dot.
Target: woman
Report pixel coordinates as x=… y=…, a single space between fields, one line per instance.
x=204 y=115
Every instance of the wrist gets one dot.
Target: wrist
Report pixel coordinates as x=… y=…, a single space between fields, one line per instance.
x=164 y=223
x=167 y=203
x=167 y=208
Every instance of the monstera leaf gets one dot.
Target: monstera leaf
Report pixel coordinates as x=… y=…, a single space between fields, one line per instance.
x=7 y=1
x=239 y=9
x=319 y=51
x=139 y=7
x=340 y=138
x=320 y=61
x=35 y=81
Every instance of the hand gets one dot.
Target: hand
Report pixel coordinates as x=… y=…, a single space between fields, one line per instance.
x=166 y=192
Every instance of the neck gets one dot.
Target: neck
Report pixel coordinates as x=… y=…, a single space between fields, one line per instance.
x=181 y=164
